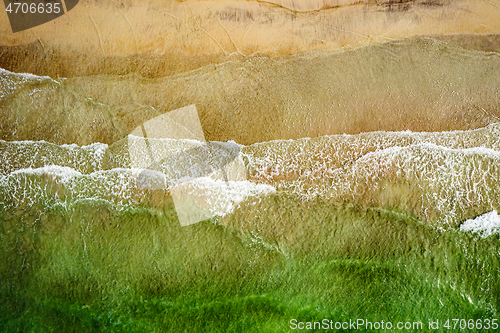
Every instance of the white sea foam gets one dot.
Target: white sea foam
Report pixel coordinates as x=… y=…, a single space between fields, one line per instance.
x=485 y=225
x=16 y=155
x=63 y=185
x=25 y=75
x=96 y=146
x=436 y=176
x=10 y=82
x=62 y=172
x=205 y=197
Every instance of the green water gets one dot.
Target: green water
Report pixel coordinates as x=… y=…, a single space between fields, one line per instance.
x=92 y=266
x=341 y=237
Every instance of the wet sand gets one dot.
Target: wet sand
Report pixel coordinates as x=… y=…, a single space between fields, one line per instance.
x=416 y=84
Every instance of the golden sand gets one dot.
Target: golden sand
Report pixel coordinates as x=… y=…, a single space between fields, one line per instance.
x=156 y=38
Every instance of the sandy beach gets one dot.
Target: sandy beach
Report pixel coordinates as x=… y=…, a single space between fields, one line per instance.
x=251 y=166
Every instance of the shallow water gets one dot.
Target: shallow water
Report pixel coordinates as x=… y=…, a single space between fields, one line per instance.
x=414 y=84
x=336 y=225
x=77 y=226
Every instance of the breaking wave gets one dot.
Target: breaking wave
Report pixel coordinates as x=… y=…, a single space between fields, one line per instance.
x=440 y=178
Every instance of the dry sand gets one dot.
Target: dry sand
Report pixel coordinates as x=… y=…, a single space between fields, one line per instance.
x=157 y=37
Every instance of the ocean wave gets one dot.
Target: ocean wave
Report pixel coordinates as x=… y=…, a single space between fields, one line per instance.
x=485 y=225
x=441 y=178
x=16 y=155
x=56 y=185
